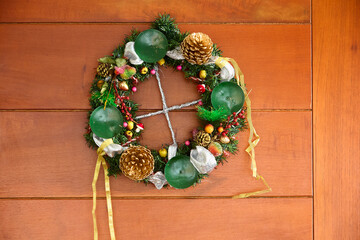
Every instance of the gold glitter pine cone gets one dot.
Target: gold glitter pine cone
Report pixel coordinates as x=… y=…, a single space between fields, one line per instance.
x=202 y=138
x=197 y=48
x=136 y=163
x=104 y=69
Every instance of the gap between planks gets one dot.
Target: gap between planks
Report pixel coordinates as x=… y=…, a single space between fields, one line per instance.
x=141 y=23
x=146 y=110
x=150 y=197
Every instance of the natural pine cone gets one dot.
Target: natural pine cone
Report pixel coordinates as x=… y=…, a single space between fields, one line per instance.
x=202 y=138
x=197 y=48
x=104 y=69
x=136 y=163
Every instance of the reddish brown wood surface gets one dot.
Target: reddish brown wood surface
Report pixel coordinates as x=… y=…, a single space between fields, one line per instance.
x=159 y=219
x=144 y=10
x=46 y=169
x=336 y=37
x=48 y=151
x=52 y=66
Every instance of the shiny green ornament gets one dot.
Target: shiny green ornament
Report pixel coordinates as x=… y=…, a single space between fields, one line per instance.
x=229 y=96
x=106 y=123
x=151 y=45
x=180 y=173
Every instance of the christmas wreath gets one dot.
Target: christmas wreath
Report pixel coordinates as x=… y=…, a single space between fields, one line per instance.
x=115 y=128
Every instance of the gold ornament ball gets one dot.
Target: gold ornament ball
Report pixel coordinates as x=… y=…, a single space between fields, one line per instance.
x=225 y=139
x=161 y=62
x=123 y=86
x=202 y=74
x=220 y=129
x=130 y=125
x=163 y=152
x=144 y=70
x=209 y=128
x=129 y=133
x=100 y=83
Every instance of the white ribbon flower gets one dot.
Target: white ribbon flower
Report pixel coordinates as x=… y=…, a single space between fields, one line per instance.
x=227 y=72
x=172 y=151
x=158 y=179
x=130 y=53
x=175 y=54
x=110 y=150
x=202 y=159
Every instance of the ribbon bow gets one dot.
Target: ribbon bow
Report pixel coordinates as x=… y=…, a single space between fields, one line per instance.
x=101 y=161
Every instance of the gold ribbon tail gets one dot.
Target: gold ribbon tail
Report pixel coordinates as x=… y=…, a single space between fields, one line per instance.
x=101 y=161
x=254 y=138
x=245 y=195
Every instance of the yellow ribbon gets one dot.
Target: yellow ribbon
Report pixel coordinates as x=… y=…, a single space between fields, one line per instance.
x=254 y=138
x=101 y=161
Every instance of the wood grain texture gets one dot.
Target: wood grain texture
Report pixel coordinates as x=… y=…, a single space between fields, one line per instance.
x=159 y=219
x=146 y=10
x=52 y=66
x=336 y=38
x=54 y=160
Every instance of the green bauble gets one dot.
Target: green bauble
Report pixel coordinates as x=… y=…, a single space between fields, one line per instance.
x=151 y=45
x=228 y=95
x=180 y=173
x=106 y=123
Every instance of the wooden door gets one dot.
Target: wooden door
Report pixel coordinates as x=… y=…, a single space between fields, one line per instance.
x=48 y=59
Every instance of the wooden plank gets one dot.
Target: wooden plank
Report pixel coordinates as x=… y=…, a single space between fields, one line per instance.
x=336 y=38
x=44 y=155
x=52 y=66
x=159 y=219
x=146 y=10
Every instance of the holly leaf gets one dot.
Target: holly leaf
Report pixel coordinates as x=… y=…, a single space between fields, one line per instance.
x=128 y=72
x=107 y=60
x=120 y=62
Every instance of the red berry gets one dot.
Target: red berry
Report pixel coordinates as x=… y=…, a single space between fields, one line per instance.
x=223 y=133
x=201 y=88
x=236 y=124
x=243 y=117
